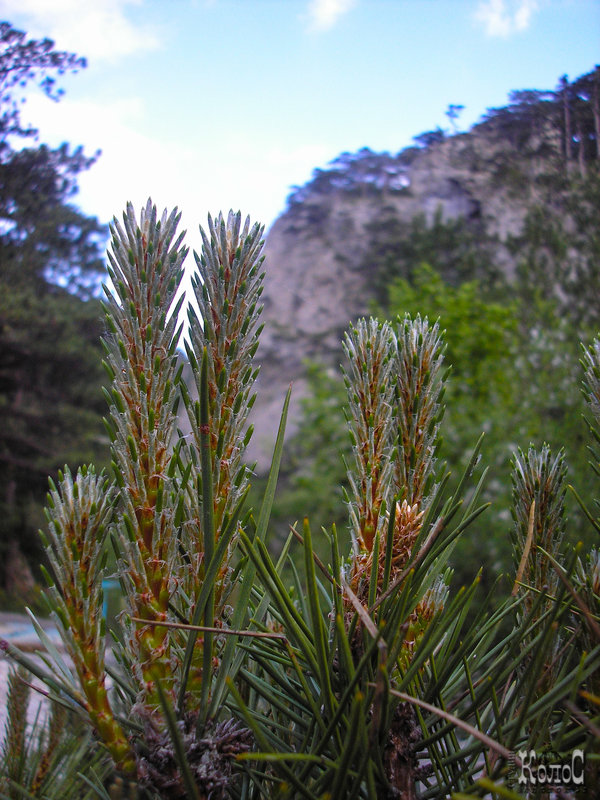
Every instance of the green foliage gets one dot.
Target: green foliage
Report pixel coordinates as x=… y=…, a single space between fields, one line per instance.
x=429 y=138
x=513 y=358
x=355 y=174
x=51 y=263
x=313 y=472
x=50 y=399
x=513 y=376
x=42 y=755
x=455 y=248
x=173 y=513
x=369 y=692
x=481 y=334
x=371 y=352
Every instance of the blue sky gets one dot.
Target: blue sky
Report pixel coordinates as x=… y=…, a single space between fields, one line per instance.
x=212 y=104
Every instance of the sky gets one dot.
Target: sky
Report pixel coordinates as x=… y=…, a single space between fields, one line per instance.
x=218 y=104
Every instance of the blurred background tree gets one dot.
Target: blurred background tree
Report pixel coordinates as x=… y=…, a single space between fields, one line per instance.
x=51 y=266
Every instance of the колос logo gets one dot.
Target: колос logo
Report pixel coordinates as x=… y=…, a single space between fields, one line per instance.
x=551 y=769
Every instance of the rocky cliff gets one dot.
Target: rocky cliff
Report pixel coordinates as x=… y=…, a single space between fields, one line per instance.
x=318 y=274
x=324 y=255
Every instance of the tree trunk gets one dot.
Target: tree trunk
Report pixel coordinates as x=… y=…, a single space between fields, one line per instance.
x=400 y=760
x=567 y=123
x=580 y=150
x=596 y=109
x=19 y=580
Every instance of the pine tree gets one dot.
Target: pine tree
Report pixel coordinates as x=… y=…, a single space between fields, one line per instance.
x=50 y=265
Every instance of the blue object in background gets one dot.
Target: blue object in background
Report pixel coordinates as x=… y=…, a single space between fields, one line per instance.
x=110 y=589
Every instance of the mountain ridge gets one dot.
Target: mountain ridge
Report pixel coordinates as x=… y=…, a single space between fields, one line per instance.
x=324 y=254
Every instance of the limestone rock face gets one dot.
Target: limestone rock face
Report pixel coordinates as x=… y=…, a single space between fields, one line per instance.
x=318 y=277
x=310 y=295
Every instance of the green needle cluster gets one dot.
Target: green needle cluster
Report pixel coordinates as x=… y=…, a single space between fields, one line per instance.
x=146 y=267
x=79 y=512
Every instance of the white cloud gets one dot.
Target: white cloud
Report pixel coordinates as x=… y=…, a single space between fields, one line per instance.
x=98 y=29
x=238 y=171
x=323 y=14
x=132 y=164
x=506 y=17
